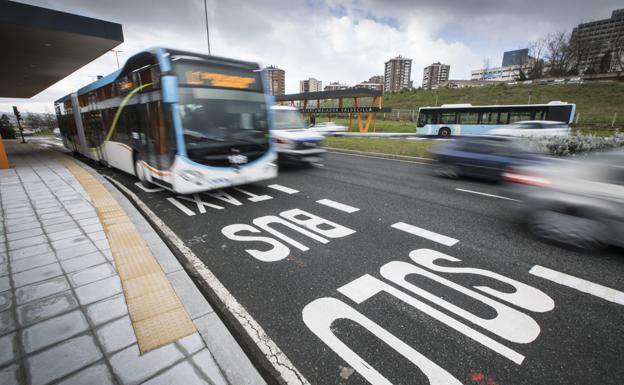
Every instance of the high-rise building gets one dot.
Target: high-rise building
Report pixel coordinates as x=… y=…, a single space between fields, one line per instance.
x=516 y=58
x=435 y=74
x=597 y=44
x=275 y=80
x=398 y=73
x=310 y=85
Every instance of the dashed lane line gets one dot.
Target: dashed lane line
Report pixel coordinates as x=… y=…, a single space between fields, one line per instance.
x=430 y=235
x=338 y=206
x=283 y=189
x=486 y=194
x=579 y=284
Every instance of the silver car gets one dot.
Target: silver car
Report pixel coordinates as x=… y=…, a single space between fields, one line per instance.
x=576 y=203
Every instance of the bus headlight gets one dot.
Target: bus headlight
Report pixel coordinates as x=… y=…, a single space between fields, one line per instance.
x=192 y=176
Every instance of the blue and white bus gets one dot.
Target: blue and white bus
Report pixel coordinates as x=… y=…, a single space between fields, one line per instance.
x=179 y=120
x=466 y=119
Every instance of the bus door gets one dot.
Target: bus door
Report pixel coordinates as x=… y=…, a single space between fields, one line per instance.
x=159 y=138
x=95 y=129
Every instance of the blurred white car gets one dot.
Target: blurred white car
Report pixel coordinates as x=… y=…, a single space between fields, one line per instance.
x=327 y=127
x=293 y=140
x=533 y=128
x=57 y=132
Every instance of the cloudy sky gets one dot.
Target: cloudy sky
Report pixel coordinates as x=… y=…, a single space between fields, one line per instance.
x=331 y=40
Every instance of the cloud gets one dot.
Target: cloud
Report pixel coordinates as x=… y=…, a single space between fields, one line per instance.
x=331 y=40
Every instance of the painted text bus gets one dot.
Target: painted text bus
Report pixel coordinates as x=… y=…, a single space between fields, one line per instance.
x=179 y=120
x=466 y=119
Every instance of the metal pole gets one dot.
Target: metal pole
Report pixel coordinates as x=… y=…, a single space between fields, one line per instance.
x=614 y=119
x=116 y=56
x=207 y=33
x=436 y=102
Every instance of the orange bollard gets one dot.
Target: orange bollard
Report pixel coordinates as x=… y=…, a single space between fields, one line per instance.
x=4 y=161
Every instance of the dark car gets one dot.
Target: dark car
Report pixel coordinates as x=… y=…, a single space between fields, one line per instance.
x=483 y=157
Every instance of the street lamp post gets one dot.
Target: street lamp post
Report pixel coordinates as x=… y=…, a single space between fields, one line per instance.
x=207 y=33
x=116 y=51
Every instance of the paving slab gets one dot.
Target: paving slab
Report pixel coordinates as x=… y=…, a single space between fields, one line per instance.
x=106 y=310
x=37 y=274
x=41 y=289
x=133 y=368
x=45 y=308
x=53 y=330
x=116 y=335
x=83 y=262
x=62 y=359
x=96 y=374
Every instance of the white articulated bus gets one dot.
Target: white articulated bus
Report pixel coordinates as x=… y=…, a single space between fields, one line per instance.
x=179 y=120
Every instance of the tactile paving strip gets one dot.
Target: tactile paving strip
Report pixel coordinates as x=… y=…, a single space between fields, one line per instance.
x=158 y=317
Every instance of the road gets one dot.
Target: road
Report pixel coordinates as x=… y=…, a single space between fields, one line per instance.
x=369 y=270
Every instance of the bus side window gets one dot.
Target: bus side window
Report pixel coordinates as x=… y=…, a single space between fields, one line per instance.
x=519 y=116
x=503 y=118
x=448 y=118
x=468 y=118
x=488 y=118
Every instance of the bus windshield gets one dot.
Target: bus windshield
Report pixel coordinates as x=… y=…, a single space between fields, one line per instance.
x=288 y=120
x=214 y=117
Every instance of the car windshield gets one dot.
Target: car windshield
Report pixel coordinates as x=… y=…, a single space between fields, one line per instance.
x=288 y=120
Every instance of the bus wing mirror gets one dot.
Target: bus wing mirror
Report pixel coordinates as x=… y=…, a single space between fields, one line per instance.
x=169 y=86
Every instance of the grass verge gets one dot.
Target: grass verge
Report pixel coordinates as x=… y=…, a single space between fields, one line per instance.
x=419 y=148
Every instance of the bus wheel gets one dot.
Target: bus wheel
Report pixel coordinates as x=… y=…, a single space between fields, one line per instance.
x=140 y=174
x=444 y=132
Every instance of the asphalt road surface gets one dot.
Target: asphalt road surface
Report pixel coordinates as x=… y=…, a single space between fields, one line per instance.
x=368 y=270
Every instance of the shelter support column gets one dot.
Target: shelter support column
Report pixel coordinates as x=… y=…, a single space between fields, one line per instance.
x=4 y=160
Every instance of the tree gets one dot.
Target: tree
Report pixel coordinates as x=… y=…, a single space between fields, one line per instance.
x=487 y=64
x=557 y=53
x=536 y=61
x=6 y=128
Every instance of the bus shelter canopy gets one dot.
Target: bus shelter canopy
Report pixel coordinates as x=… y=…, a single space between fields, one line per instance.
x=42 y=46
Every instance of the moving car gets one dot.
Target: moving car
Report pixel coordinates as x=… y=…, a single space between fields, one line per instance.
x=293 y=140
x=328 y=127
x=575 y=203
x=534 y=128
x=483 y=157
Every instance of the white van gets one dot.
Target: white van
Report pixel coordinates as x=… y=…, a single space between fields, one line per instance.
x=292 y=139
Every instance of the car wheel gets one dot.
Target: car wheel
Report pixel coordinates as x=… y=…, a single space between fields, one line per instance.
x=446 y=170
x=444 y=132
x=568 y=230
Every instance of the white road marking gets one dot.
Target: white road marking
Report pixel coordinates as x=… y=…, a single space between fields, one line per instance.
x=579 y=284
x=273 y=353
x=149 y=190
x=382 y=158
x=338 y=206
x=283 y=189
x=486 y=194
x=179 y=205
x=430 y=235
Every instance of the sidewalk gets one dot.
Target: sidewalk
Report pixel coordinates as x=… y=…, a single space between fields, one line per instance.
x=89 y=294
